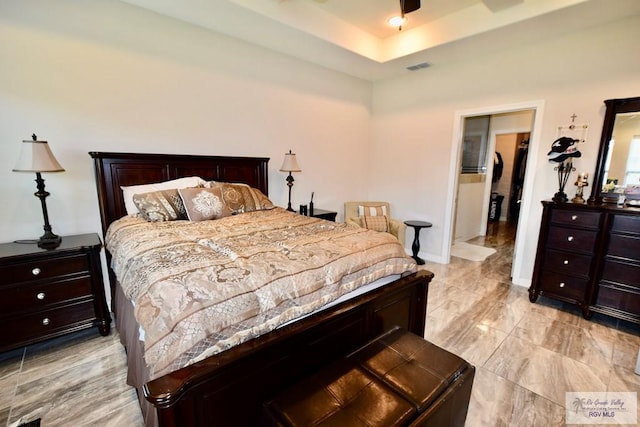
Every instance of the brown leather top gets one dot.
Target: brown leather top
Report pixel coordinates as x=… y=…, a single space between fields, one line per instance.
x=388 y=382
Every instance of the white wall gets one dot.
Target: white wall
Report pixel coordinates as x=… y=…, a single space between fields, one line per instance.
x=413 y=117
x=106 y=76
x=469 y=217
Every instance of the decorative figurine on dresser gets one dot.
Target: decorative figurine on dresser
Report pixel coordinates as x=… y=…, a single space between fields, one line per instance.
x=589 y=254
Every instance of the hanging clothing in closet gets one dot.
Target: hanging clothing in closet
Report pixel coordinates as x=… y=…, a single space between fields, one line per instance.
x=498 y=166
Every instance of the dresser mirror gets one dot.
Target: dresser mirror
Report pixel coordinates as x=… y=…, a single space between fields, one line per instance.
x=618 y=162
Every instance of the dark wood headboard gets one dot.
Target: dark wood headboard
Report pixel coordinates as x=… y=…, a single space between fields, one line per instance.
x=122 y=169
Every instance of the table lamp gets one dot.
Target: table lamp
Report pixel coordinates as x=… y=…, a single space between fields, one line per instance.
x=290 y=164
x=36 y=156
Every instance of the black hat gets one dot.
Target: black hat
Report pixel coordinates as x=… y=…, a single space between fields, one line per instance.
x=563 y=148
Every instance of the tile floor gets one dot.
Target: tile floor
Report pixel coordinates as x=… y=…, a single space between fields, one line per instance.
x=526 y=355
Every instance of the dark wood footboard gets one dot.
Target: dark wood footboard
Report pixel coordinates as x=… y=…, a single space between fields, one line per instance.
x=228 y=389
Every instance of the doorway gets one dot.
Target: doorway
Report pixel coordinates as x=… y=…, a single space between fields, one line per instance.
x=498 y=114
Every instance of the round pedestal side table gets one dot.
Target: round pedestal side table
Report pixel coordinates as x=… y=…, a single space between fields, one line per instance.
x=415 y=247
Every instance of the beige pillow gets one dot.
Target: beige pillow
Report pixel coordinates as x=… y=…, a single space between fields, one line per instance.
x=240 y=198
x=204 y=203
x=129 y=191
x=163 y=205
x=376 y=222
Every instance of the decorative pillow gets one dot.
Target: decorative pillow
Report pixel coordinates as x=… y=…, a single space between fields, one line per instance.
x=163 y=205
x=376 y=222
x=204 y=203
x=241 y=198
x=380 y=210
x=129 y=191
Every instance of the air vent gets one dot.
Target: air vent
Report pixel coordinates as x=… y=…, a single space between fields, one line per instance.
x=418 y=66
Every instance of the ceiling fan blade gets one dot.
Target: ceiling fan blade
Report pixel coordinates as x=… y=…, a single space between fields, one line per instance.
x=409 y=5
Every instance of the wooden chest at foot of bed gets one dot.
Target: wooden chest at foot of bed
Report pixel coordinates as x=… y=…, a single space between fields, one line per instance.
x=399 y=379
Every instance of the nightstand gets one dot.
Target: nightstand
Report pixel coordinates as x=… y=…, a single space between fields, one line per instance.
x=48 y=293
x=321 y=213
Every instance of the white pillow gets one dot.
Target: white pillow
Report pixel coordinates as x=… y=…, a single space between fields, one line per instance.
x=129 y=191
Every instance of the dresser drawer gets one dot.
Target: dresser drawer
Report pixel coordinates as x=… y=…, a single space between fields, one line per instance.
x=38 y=269
x=626 y=224
x=624 y=246
x=619 y=299
x=576 y=218
x=37 y=296
x=571 y=239
x=621 y=273
x=563 y=285
x=45 y=323
x=567 y=263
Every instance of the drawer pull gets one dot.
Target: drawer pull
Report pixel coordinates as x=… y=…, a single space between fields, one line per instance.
x=46 y=321
x=565 y=262
x=562 y=284
x=35 y=271
x=40 y=296
x=574 y=217
x=570 y=238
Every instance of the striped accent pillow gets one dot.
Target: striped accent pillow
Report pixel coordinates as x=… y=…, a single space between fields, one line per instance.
x=162 y=205
x=380 y=210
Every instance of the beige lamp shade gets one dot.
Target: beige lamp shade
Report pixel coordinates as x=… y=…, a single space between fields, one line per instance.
x=36 y=156
x=290 y=164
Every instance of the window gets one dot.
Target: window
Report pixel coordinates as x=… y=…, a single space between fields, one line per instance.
x=474 y=144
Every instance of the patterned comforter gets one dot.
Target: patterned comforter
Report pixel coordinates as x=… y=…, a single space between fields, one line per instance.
x=201 y=287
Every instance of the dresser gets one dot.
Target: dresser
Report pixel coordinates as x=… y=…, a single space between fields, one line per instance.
x=48 y=293
x=589 y=255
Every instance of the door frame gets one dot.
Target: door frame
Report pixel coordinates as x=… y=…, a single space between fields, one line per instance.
x=454 y=168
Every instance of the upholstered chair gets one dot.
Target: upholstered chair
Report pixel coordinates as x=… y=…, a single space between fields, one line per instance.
x=363 y=215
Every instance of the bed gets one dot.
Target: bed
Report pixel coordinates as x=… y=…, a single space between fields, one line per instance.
x=228 y=388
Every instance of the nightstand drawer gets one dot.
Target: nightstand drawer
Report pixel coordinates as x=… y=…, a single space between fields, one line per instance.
x=37 y=296
x=563 y=285
x=39 y=269
x=567 y=263
x=576 y=218
x=46 y=323
x=571 y=239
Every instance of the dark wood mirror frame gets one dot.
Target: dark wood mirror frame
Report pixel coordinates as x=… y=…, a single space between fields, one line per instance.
x=614 y=106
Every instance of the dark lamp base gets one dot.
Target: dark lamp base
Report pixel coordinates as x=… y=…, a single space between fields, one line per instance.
x=49 y=241
x=560 y=197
